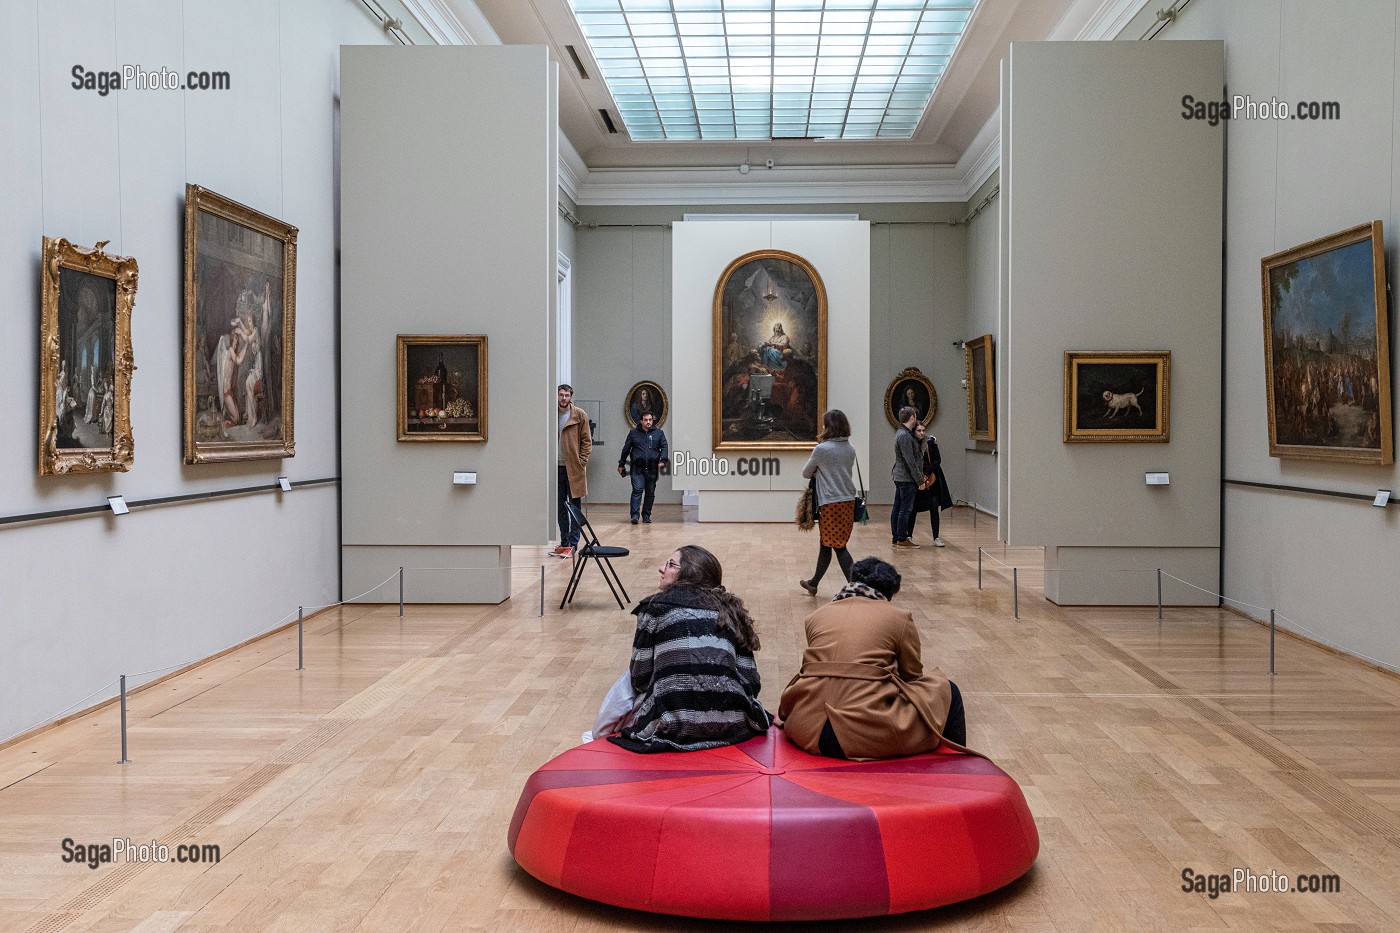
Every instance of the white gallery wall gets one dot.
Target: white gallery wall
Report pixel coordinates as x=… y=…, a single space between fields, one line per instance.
x=839 y=251
x=91 y=597
x=1325 y=564
x=983 y=317
x=1114 y=244
x=449 y=226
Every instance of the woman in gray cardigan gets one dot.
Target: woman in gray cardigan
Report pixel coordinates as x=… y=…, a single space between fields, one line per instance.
x=831 y=464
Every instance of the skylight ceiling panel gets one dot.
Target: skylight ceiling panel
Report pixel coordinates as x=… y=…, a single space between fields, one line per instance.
x=889 y=54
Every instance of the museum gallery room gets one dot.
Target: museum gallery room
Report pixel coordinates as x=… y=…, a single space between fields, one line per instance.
x=468 y=458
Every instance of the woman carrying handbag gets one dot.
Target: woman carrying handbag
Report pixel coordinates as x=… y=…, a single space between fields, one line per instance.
x=830 y=464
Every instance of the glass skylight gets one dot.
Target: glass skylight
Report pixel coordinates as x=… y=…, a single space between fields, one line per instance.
x=772 y=69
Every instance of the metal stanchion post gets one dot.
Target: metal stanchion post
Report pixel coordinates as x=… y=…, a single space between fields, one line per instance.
x=974 y=516
x=1159 y=594
x=979 y=566
x=1271 y=641
x=301 y=657
x=1015 y=593
x=541 y=591
x=125 y=760
x=400 y=592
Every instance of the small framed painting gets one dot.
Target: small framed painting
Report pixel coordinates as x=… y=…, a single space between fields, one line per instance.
x=1120 y=397
x=911 y=389
x=981 y=389
x=441 y=387
x=645 y=398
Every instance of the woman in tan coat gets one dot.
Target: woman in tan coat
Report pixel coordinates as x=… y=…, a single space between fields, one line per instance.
x=863 y=691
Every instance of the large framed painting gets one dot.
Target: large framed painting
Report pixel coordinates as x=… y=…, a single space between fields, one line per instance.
x=911 y=389
x=645 y=398
x=240 y=313
x=1119 y=397
x=981 y=388
x=1327 y=348
x=85 y=360
x=769 y=362
x=441 y=387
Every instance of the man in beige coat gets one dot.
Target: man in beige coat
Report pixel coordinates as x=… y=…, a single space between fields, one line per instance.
x=863 y=691
x=575 y=447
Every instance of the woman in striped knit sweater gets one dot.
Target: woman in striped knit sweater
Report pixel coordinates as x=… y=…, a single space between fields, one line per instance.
x=693 y=673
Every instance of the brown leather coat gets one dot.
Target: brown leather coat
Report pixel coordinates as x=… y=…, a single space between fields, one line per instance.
x=862 y=671
x=576 y=445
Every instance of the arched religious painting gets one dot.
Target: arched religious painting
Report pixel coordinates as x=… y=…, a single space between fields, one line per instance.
x=769 y=360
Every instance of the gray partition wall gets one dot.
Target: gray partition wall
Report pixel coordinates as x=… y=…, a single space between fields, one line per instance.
x=448 y=204
x=1114 y=209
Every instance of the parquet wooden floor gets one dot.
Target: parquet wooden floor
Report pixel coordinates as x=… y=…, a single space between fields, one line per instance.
x=372 y=790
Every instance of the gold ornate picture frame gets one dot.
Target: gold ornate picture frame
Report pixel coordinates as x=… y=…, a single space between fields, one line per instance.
x=645 y=397
x=1327 y=349
x=913 y=389
x=240 y=331
x=442 y=387
x=85 y=360
x=1121 y=397
x=980 y=374
x=768 y=386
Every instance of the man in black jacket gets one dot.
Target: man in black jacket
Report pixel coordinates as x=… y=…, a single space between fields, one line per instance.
x=646 y=444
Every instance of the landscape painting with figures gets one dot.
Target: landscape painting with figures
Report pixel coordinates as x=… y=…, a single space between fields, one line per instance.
x=442 y=388
x=769 y=353
x=1327 y=349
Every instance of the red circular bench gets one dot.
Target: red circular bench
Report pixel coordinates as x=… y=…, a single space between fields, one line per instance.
x=765 y=831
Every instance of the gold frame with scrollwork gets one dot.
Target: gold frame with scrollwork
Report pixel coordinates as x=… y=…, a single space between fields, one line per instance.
x=60 y=254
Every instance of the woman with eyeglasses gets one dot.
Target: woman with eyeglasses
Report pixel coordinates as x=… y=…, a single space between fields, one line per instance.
x=693 y=680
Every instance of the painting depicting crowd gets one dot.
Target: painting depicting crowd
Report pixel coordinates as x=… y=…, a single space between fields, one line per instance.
x=84 y=396
x=1325 y=368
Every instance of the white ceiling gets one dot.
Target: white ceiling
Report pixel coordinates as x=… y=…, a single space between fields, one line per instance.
x=954 y=150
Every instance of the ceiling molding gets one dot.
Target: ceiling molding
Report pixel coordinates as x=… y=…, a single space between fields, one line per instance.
x=1090 y=20
x=780 y=185
x=982 y=156
x=572 y=168
x=453 y=22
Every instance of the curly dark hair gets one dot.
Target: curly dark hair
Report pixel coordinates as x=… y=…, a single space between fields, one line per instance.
x=877 y=575
x=701 y=569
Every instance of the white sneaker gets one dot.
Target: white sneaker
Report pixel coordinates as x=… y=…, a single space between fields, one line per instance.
x=938 y=542
x=587 y=737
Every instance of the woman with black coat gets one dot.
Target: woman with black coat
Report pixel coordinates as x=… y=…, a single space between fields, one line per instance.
x=932 y=495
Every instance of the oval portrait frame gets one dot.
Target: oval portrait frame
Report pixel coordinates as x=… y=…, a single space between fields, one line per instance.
x=910 y=374
x=718 y=439
x=661 y=393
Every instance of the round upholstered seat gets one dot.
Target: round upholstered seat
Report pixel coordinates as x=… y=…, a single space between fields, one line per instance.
x=765 y=831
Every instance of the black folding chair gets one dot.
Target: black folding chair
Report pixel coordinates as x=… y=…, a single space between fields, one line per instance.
x=590 y=546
